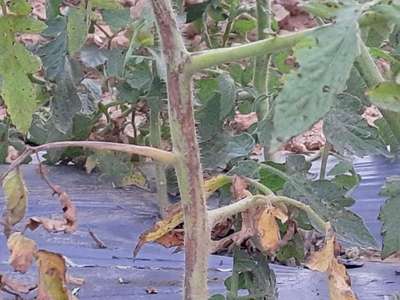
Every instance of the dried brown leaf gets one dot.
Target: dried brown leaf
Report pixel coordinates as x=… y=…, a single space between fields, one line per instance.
x=163 y=231
x=67 y=225
x=325 y=260
x=52 y=276
x=14 y=287
x=22 y=251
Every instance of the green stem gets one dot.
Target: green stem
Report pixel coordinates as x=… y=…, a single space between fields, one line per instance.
x=369 y=71
x=262 y=61
x=161 y=178
x=208 y=58
x=324 y=160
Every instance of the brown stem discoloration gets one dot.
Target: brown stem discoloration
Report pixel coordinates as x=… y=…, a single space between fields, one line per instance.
x=184 y=140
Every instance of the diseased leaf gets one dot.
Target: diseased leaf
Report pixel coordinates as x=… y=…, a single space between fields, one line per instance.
x=268 y=228
x=52 y=276
x=22 y=251
x=348 y=132
x=325 y=58
x=20 y=7
x=324 y=260
x=16 y=63
x=386 y=96
x=16 y=196
x=389 y=216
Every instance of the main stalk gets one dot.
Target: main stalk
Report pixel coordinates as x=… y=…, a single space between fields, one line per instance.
x=186 y=148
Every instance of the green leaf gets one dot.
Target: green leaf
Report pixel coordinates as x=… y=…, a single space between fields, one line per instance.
x=341 y=167
x=117 y=19
x=244 y=25
x=53 y=8
x=16 y=63
x=389 y=216
x=3 y=142
x=105 y=4
x=16 y=197
x=389 y=11
x=386 y=96
x=347 y=131
x=53 y=52
x=217 y=153
x=330 y=202
x=325 y=58
x=323 y=9
x=217 y=108
x=77 y=28
x=20 y=7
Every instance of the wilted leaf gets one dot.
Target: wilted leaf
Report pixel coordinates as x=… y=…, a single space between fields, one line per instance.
x=67 y=225
x=16 y=196
x=386 y=96
x=163 y=231
x=22 y=251
x=325 y=60
x=52 y=276
x=14 y=287
x=324 y=260
x=389 y=216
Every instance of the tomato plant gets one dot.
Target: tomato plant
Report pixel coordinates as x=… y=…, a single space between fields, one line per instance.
x=97 y=70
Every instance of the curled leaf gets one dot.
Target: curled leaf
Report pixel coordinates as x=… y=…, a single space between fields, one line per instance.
x=67 y=225
x=16 y=196
x=52 y=276
x=22 y=251
x=268 y=228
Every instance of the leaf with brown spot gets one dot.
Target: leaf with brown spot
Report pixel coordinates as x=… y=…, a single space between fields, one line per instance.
x=14 y=287
x=16 y=196
x=325 y=260
x=52 y=276
x=67 y=225
x=22 y=251
x=268 y=230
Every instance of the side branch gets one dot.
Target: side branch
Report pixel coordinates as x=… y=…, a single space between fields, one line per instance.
x=209 y=58
x=162 y=156
x=218 y=214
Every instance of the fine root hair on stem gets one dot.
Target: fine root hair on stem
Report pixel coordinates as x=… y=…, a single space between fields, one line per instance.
x=162 y=156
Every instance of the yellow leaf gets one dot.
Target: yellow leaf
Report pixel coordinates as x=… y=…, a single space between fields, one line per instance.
x=339 y=283
x=322 y=259
x=52 y=276
x=16 y=196
x=22 y=251
x=268 y=230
